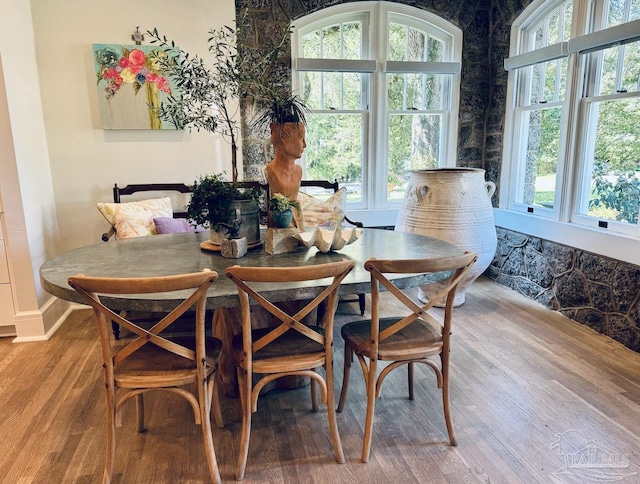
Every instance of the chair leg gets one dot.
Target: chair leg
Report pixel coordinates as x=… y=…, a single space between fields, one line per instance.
x=371 y=404
x=445 y=397
x=244 y=383
x=140 y=412
x=111 y=434
x=314 y=395
x=204 y=402
x=331 y=409
x=361 y=302
x=410 y=368
x=348 y=359
x=215 y=401
x=115 y=327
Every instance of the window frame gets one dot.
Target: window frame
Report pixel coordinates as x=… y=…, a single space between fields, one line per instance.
x=563 y=224
x=375 y=210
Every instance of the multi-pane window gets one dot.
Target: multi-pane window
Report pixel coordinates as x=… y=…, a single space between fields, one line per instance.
x=611 y=153
x=575 y=126
x=540 y=108
x=380 y=83
x=335 y=145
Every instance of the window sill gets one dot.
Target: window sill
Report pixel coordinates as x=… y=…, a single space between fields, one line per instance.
x=374 y=218
x=598 y=241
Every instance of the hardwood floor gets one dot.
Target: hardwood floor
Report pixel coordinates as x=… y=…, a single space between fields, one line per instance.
x=531 y=393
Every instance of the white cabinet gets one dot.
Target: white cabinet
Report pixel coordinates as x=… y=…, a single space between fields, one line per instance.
x=7 y=326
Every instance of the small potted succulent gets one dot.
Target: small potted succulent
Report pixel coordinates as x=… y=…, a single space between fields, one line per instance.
x=220 y=204
x=280 y=210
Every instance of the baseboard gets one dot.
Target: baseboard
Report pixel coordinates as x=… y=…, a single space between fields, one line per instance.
x=42 y=324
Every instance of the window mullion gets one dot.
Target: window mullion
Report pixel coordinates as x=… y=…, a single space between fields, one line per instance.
x=619 y=68
x=423 y=78
x=322 y=73
x=342 y=57
x=405 y=76
x=626 y=11
x=558 y=80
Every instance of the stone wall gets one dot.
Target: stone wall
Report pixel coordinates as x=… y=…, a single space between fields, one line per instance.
x=599 y=292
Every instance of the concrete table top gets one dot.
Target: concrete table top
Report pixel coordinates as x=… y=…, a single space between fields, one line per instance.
x=181 y=253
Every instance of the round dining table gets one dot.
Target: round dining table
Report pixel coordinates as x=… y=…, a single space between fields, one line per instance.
x=169 y=254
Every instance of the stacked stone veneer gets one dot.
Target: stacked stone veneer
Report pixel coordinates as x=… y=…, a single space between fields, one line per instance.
x=597 y=291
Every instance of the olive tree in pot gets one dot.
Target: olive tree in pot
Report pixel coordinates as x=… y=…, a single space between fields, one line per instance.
x=210 y=92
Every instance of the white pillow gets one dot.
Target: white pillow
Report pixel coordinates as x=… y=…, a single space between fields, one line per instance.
x=328 y=212
x=135 y=219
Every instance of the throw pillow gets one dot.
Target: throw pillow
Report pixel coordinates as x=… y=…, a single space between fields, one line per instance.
x=135 y=219
x=328 y=212
x=170 y=225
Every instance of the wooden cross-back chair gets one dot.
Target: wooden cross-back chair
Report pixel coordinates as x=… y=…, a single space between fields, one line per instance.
x=289 y=349
x=408 y=340
x=152 y=360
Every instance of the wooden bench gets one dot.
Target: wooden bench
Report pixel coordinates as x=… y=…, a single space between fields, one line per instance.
x=146 y=187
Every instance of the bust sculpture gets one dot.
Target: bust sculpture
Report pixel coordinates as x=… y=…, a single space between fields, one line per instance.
x=283 y=174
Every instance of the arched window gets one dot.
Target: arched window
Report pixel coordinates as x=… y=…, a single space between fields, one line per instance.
x=382 y=83
x=572 y=132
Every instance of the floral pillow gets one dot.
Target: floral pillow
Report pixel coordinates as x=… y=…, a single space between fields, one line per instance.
x=135 y=219
x=318 y=212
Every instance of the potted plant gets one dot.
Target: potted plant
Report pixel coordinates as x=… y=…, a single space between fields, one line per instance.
x=280 y=210
x=285 y=116
x=221 y=205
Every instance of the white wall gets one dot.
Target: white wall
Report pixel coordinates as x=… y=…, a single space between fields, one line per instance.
x=64 y=162
x=85 y=159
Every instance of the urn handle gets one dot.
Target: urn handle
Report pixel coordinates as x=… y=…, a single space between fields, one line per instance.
x=491 y=188
x=421 y=191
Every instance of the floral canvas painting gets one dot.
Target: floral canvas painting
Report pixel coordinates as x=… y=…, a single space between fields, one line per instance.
x=131 y=85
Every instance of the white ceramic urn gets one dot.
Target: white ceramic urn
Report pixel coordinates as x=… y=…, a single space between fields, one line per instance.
x=454 y=205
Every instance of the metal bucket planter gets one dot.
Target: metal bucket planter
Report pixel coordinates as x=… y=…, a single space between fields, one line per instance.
x=248 y=214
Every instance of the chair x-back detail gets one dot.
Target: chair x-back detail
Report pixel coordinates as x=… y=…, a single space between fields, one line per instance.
x=289 y=348
x=407 y=340
x=153 y=360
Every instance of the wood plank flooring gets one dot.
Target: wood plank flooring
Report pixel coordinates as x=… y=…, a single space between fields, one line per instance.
x=535 y=398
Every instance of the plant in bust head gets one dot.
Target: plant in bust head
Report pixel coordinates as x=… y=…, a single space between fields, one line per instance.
x=284 y=114
x=282 y=108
